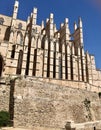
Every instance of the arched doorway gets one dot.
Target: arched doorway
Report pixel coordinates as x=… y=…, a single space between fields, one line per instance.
x=1 y=65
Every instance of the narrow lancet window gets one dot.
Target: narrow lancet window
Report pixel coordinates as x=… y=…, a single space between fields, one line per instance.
x=19 y=66
x=13 y=51
x=19 y=38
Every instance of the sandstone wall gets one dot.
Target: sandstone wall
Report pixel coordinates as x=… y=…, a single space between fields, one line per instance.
x=41 y=104
x=4 y=96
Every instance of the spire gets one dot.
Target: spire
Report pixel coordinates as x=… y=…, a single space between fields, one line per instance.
x=75 y=26
x=66 y=20
x=47 y=20
x=62 y=24
x=55 y=30
x=67 y=31
x=28 y=20
x=80 y=22
x=51 y=26
x=51 y=18
x=16 y=3
x=81 y=32
x=15 y=11
x=42 y=24
x=34 y=16
x=51 y=15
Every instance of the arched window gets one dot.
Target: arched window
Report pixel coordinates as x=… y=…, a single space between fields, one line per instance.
x=19 y=66
x=11 y=36
x=33 y=42
x=63 y=48
x=20 y=26
x=39 y=42
x=13 y=51
x=46 y=43
x=1 y=21
x=26 y=40
x=19 y=38
x=1 y=65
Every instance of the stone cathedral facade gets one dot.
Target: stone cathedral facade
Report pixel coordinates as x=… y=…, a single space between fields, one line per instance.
x=47 y=80
x=43 y=51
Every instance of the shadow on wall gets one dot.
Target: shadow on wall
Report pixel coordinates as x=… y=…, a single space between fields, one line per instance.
x=11 y=101
x=1 y=65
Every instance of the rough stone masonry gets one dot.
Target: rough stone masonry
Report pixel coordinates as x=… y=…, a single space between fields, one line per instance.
x=47 y=80
x=38 y=103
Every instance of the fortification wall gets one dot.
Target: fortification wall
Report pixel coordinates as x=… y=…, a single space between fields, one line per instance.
x=41 y=104
x=4 y=96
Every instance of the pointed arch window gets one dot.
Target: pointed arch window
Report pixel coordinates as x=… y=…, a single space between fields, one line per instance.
x=46 y=43
x=13 y=51
x=33 y=42
x=26 y=40
x=1 y=21
x=20 y=26
x=39 y=42
x=19 y=38
x=11 y=36
x=19 y=66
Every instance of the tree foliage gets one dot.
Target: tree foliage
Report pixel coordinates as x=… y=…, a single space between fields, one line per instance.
x=4 y=118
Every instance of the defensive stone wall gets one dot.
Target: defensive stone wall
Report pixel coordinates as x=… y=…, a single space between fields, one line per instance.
x=42 y=104
x=4 y=95
x=35 y=104
x=70 y=83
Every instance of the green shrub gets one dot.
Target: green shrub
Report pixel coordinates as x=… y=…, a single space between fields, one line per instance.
x=4 y=119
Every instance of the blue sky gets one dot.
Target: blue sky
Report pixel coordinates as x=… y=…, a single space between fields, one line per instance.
x=89 y=10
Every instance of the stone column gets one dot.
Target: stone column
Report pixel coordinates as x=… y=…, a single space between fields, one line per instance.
x=25 y=53
x=45 y=57
x=81 y=32
x=83 y=66
x=51 y=26
x=67 y=31
x=63 y=62
x=51 y=57
x=76 y=68
x=73 y=74
x=39 y=62
x=34 y=17
x=89 y=68
x=68 y=63
x=57 y=59
x=93 y=66
x=32 y=51
x=45 y=63
x=79 y=65
x=15 y=11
